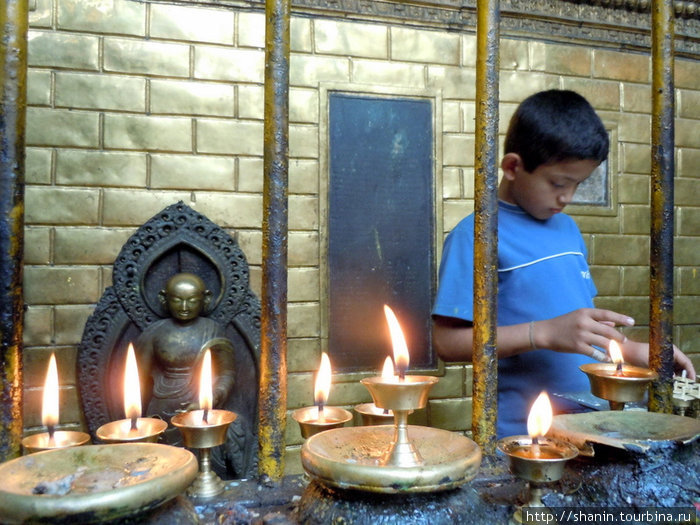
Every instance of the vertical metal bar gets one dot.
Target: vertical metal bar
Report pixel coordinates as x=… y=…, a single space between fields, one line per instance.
x=662 y=171
x=273 y=360
x=485 y=396
x=13 y=18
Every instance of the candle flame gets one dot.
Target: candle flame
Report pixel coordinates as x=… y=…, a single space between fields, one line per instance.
x=132 y=388
x=401 y=357
x=322 y=388
x=49 y=409
x=388 y=369
x=615 y=352
x=205 y=383
x=540 y=418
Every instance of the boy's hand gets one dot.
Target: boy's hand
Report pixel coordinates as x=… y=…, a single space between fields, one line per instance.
x=637 y=353
x=581 y=331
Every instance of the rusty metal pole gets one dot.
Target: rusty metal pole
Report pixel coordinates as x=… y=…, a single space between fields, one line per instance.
x=485 y=361
x=273 y=360
x=13 y=18
x=662 y=171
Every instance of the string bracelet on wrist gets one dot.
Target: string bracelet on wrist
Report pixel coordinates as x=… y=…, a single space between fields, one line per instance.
x=531 y=335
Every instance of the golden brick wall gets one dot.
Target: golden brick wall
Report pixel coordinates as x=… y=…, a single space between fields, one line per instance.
x=133 y=106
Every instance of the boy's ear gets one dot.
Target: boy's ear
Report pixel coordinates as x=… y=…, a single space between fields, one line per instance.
x=511 y=164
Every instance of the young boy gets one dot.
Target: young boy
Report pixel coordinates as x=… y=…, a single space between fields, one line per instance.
x=547 y=323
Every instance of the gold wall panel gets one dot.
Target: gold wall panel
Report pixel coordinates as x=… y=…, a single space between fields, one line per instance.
x=61 y=127
x=127 y=18
x=61 y=285
x=562 y=60
x=54 y=205
x=88 y=245
x=64 y=50
x=193 y=24
x=251 y=29
x=191 y=98
x=78 y=167
x=146 y=57
x=95 y=91
x=221 y=63
x=430 y=47
x=351 y=39
x=37 y=166
x=204 y=172
x=238 y=137
x=38 y=87
x=139 y=132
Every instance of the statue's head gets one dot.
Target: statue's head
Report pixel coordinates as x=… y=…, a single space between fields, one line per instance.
x=185 y=296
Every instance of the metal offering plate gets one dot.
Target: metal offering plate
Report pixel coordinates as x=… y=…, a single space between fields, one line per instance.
x=93 y=483
x=349 y=458
x=632 y=430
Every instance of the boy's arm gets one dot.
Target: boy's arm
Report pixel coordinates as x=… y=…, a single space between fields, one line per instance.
x=637 y=353
x=452 y=339
x=580 y=331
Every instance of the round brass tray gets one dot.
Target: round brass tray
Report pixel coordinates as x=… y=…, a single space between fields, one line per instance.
x=348 y=458
x=637 y=430
x=93 y=483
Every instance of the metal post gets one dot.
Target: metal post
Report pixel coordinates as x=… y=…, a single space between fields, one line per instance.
x=485 y=396
x=273 y=361
x=662 y=171
x=13 y=18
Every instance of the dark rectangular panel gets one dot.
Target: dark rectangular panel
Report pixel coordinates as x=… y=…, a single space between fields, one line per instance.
x=381 y=224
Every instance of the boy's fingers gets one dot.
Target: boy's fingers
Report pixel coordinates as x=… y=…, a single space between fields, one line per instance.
x=608 y=316
x=598 y=355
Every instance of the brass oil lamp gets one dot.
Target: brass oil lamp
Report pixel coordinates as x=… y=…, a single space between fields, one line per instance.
x=370 y=413
x=393 y=458
x=133 y=429
x=52 y=439
x=204 y=429
x=537 y=459
x=315 y=419
x=618 y=382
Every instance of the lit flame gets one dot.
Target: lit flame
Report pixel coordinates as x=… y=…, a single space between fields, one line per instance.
x=132 y=389
x=615 y=352
x=205 y=384
x=49 y=409
x=322 y=387
x=388 y=369
x=540 y=418
x=398 y=341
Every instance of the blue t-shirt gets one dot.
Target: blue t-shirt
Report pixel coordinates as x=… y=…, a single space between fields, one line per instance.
x=542 y=273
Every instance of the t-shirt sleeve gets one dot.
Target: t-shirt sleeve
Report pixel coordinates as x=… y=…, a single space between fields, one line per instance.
x=456 y=277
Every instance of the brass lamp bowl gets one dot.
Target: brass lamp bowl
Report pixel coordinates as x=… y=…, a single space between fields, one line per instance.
x=543 y=464
x=411 y=393
x=618 y=389
x=93 y=483
x=196 y=433
x=148 y=430
x=61 y=439
x=370 y=414
x=309 y=423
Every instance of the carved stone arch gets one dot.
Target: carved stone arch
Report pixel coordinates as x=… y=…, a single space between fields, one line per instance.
x=177 y=239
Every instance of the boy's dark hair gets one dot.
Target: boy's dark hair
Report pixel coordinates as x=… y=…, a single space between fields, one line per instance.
x=553 y=126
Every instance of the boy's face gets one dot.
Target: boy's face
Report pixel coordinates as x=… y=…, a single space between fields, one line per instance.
x=548 y=189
